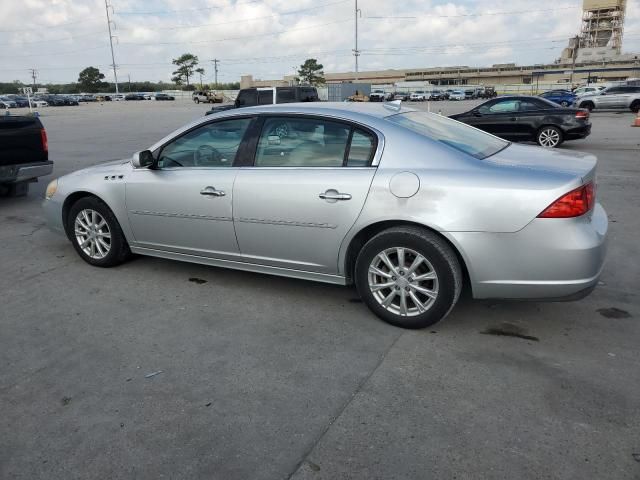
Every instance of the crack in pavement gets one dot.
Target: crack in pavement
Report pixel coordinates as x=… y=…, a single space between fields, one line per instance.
x=341 y=410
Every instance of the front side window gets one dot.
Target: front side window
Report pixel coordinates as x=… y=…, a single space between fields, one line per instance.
x=506 y=106
x=285 y=95
x=265 y=97
x=212 y=145
x=450 y=132
x=247 y=98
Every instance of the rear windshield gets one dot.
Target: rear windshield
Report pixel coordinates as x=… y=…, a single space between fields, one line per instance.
x=450 y=132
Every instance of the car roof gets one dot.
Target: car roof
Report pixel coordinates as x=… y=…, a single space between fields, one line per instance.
x=346 y=109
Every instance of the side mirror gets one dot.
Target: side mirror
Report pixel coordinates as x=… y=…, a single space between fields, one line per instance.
x=142 y=159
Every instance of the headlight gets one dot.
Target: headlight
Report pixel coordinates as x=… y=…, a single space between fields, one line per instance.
x=51 y=189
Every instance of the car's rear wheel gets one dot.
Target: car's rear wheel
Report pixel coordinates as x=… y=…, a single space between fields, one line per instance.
x=588 y=105
x=408 y=276
x=197 y=100
x=635 y=106
x=96 y=234
x=549 y=136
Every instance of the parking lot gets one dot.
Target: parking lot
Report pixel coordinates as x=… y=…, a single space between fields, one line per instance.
x=160 y=369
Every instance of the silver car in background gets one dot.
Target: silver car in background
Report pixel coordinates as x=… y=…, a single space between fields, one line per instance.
x=407 y=205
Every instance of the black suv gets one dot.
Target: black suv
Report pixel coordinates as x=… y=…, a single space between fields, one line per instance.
x=250 y=97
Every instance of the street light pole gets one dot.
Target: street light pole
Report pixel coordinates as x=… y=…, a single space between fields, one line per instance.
x=356 y=52
x=113 y=58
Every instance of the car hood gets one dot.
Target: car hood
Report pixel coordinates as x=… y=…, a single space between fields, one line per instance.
x=570 y=163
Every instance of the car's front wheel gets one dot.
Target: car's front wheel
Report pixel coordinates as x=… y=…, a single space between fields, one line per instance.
x=408 y=276
x=96 y=234
x=549 y=137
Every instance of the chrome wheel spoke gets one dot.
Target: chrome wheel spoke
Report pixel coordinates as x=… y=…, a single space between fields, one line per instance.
x=416 y=263
x=382 y=286
x=403 y=303
x=425 y=276
x=377 y=271
x=425 y=291
x=104 y=234
x=400 y=253
x=389 y=298
x=416 y=301
x=387 y=261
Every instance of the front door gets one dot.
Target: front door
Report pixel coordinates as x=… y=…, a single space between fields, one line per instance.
x=185 y=204
x=499 y=118
x=309 y=182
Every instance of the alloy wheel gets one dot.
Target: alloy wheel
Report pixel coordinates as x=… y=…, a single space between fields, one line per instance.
x=92 y=234
x=549 y=137
x=403 y=281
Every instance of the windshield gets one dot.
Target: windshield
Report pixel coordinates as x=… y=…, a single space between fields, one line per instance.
x=450 y=132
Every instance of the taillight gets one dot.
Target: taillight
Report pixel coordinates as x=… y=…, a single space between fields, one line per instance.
x=43 y=137
x=582 y=114
x=575 y=203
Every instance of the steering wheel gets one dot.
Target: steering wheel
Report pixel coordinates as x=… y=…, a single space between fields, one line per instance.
x=206 y=154
x=281 y=130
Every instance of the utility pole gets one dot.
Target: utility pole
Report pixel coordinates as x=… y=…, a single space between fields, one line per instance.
x=113 y=58
x=34 y=74
x=356 y=52
x=215 y=70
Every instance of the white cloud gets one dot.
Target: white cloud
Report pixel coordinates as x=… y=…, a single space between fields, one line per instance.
x=60 y=37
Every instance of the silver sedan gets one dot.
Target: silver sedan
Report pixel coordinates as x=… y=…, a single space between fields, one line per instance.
x=407 y=205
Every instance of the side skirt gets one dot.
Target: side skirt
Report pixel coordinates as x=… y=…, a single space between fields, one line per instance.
x=249 y=267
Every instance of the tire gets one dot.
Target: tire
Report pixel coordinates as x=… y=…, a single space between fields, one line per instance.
x=635 y=106
x=549 y=136
x=564 y=103
x=114 y=248
x=440 y=261
x=588 y=105
x=197 y=100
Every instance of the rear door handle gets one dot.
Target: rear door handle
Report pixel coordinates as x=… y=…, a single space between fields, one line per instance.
x=212 y=192
x=334 y=195
x=514 y=119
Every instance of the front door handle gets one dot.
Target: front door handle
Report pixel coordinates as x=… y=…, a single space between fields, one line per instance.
x=514 y=119
x=334 y=195
x=212 y=192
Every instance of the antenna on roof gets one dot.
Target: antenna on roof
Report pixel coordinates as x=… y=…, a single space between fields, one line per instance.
x=394 y=105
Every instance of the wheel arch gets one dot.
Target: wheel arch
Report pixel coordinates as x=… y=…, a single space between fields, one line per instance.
x=70 y=201
x=369 y=231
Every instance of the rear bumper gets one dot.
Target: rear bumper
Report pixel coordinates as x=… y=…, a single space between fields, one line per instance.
x=549 y=259
x=578 y=132
x=25 y=172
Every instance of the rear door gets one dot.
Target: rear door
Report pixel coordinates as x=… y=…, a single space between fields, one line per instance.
x=308 y=184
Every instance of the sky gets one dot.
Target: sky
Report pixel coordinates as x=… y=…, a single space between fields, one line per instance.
x=271 y=38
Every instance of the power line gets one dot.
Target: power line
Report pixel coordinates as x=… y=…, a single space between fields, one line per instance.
x=486 y=14
x=195 y=9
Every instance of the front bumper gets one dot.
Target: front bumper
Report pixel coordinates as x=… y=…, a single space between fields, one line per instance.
x=52 y=209
x=24 y=172
x=549 y=259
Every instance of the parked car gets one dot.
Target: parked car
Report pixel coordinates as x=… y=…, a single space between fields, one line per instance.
x=419 y=96
x=70 y=100
x=202 y=96
x=52 y=100
x=250 y=97
x=488 y=92
x=403 y=96
x=6 y=103
x=162 y=97
x=407 y=205
x=561 y=97
x=24 y=153
x=379 y=96
x=588 y=90
x=457 y=95
x=118 y=97
x=35 y=102
x=93 y=98
x=470 y=94
x=134 y=96
x=20 y=101
x=625 y=97
x=522 y=118
x=435 y=95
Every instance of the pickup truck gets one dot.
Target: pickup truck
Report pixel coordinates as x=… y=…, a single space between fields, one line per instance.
x=24 y=153
x=250 y=97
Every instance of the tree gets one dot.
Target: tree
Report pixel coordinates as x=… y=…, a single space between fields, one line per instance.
x=90 y=79
x=186 y=64
x=311 y=72
x=201 y=72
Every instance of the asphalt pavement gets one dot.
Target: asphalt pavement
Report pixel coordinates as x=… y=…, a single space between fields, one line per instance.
x=160 y=369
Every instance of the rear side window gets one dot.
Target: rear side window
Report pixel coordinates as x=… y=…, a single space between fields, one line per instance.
x=450 y=132
x=247 y=98
x=361 y=149
x=285 y=95
x=265 y=97
x=308 y=95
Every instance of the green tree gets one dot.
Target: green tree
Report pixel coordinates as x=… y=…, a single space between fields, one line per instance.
x=200 y=71
x=90 y=79
x=311 y=72
x=186 y=64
